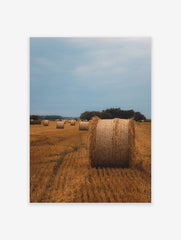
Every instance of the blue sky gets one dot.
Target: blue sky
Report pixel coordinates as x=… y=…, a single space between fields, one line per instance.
x=71 y=75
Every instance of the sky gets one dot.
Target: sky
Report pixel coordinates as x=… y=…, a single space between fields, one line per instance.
x=71 y=75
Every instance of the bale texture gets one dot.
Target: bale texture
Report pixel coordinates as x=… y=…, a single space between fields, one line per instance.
x=111 y=142
x=83 y=126
x=45 y=122
x=60 y=124
x=72 y=122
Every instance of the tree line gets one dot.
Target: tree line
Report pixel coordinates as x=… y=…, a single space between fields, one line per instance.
x=112 y=113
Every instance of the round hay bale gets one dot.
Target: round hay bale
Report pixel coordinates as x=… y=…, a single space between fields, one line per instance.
x=83 y=126
x=45 y=122
x=60 y=124
x=111 y=142
x=72 y=122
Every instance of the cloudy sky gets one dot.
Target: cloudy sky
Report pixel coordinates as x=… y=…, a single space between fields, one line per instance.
x=71 y=75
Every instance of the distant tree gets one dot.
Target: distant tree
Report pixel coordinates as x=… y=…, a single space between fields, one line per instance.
x=88 y=115
x=34 y=117
x=138 y=116
x=105 y=115
x=112 y=113
x=118 y=113
x=50 y=117
x=35 y=122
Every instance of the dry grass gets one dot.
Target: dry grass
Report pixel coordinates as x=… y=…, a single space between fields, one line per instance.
x=60 y=168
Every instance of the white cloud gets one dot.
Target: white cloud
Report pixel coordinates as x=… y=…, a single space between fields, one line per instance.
x=107 y=41
x=112 y=57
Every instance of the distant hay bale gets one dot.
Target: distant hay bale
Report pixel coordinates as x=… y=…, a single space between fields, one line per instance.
x=142 y=120
x=111 y=142
x=57 y=120
x=72 y=122
x=45 y=122
x=60 y=124
x=83 y=125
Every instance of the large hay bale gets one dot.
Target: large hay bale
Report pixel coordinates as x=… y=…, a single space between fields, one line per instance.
x=72 y=122
x=83 y=125
x=60 y=124
x=111 y=142
x=45 y=122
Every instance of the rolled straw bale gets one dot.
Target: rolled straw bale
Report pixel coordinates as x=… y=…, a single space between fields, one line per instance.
x=72 y=122
x=83 y=125
x=60 y=124
x=45 y=122
x=111 y=142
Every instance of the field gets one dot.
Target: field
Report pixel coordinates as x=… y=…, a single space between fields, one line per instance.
x=60 y=168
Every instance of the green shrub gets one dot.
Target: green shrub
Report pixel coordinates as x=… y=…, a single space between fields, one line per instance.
x=147 y=120
x=35 y=122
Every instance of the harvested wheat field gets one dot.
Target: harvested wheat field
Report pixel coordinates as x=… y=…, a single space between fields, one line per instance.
x=60 y=169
